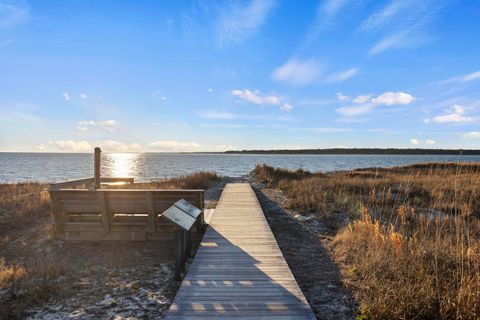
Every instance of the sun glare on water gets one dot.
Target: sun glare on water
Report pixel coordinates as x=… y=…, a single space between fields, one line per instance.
x=120 y=164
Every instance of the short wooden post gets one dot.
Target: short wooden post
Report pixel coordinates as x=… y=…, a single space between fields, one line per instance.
x=96 y=177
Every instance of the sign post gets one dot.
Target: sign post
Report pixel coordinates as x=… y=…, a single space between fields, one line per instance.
x=183 y=216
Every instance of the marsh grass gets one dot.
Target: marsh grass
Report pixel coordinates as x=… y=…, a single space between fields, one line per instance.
x=409 y=243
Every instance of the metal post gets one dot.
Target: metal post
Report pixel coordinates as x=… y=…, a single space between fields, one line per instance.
x=178 y=255
x=96 y=177
x=188 y=244
x=182 y=249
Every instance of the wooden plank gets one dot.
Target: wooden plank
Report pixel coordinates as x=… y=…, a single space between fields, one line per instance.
x=239 y=271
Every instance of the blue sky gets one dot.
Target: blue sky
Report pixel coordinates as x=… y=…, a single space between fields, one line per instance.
x=173 y=76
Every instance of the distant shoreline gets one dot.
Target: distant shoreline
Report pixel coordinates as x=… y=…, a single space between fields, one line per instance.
x=327 y=151
x=364 y=151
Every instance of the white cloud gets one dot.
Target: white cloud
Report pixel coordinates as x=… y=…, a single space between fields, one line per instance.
x=430 y=141
x=238 y=22
x=256 y=97
x=169 y=146
x=117 y=146
x=13 y=15
x=66 y=96
x=298 y=72
x=391 y=98
x=414 y=141
x=342 y=76
x=107 y=125
x=41 y=147
x=286 y=107
x=455 y=114
x=362 y=99
x=341 y=97
x=365 y=103
x=82 y=96
x=471 y=135
x=71 y=145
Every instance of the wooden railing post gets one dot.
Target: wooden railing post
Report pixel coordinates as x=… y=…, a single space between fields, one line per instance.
x=96 y=169
x=57 y=212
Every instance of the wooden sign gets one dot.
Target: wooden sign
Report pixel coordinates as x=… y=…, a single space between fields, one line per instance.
x=189 y=208
x=179 y=217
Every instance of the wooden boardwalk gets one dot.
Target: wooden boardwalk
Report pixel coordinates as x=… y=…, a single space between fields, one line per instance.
x=239 y=271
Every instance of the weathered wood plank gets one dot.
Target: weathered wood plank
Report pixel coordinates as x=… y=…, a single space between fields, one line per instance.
x=239 y=271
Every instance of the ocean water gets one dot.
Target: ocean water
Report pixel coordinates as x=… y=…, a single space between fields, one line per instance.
x=55 y=167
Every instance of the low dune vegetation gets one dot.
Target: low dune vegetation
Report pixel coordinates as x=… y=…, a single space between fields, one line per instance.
x=407 y=239
x=27 y=277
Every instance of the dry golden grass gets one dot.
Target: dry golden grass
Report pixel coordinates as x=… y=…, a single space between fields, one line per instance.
x=27 y=281
x=21 y=204
x=410 y=248
x=197 y=180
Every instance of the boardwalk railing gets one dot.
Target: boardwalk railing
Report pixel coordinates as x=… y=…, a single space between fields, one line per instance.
x=116 y=214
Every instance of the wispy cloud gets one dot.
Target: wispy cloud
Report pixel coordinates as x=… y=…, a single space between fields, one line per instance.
x=298 y=72
x=13 y=15
x=66 y=96
x=403 y=23
x=256 y=97
x=342 y=75
x=325 y=13
x=117 y=146
x=179 y=146
x=238 y=22
x=463 y=78
x=106 y=125
x=471 y=135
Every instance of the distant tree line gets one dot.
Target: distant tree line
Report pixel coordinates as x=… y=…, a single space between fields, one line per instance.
x=364 y=151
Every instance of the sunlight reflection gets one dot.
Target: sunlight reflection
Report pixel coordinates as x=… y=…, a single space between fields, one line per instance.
x=120 y=164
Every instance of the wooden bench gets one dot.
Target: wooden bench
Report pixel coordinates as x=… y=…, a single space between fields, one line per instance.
x=118 y=214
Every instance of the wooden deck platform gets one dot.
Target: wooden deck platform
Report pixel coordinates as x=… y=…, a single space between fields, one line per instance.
x=239 y=271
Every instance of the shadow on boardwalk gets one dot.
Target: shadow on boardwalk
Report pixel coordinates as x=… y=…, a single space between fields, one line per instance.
x=238 y=270
x=315 y=271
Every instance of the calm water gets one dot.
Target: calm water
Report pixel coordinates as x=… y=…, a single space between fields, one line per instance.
x=17 y=167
